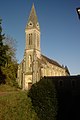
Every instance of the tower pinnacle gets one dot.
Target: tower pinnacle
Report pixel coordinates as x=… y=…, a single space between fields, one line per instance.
x=32 y=20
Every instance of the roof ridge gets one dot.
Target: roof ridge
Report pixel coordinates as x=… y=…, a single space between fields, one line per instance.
x=51 y=61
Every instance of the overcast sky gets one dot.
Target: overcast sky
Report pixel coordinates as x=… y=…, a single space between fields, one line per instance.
x=59 y=24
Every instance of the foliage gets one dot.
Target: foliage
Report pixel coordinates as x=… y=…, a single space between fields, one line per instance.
x=10 y=72
x=11 y=43
x=43 y=96
x=16 y=106
x=10 y=69
x=3 y=48
x=8 y=62
x=3 y=58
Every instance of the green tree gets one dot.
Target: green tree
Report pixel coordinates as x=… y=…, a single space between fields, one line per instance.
x=3 y=58
x=8 y=62
x=2 y=48
x=44 y=100
x=10 y=69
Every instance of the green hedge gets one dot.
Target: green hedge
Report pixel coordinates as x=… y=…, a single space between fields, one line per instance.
x=43 y=96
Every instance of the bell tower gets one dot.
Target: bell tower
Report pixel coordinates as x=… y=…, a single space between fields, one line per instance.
x=33 y=33
x=32 y=48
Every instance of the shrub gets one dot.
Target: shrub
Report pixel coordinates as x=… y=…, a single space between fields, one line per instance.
x=43 y=96
x=16 y=106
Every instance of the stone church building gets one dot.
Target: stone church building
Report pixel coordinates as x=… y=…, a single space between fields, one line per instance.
x=34 y=65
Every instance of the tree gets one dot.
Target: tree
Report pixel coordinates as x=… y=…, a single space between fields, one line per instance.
x=8 y=62
x=11 y=53
x=3 y=58
x=3 y=48
x=10 y=69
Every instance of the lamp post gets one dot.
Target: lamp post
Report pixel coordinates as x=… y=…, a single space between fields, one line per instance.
x=78 y=12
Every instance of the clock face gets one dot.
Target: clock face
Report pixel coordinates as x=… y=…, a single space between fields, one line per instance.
x=37 y=25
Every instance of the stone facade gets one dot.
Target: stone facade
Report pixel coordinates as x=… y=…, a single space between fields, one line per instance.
x=34 y=65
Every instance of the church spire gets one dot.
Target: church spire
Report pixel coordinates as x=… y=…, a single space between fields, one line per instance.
x=32 y=20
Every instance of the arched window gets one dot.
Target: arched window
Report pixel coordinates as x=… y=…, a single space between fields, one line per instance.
x=37 y=40
x=30 y=60
x=30 y=39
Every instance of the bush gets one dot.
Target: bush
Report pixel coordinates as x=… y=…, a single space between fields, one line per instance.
x=43 y=96
x=16 y=106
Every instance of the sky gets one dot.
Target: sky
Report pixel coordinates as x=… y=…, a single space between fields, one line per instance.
x=59 y=25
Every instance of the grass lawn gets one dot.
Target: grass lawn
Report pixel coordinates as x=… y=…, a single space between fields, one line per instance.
x=7 y=88
x=15 y=105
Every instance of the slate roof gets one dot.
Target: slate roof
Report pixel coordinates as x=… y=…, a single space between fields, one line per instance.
x=46 y=59
x=33 y=18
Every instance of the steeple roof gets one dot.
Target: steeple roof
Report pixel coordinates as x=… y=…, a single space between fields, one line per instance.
x=32 y=20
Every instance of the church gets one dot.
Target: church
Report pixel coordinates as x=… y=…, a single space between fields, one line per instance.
x=35 y=65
